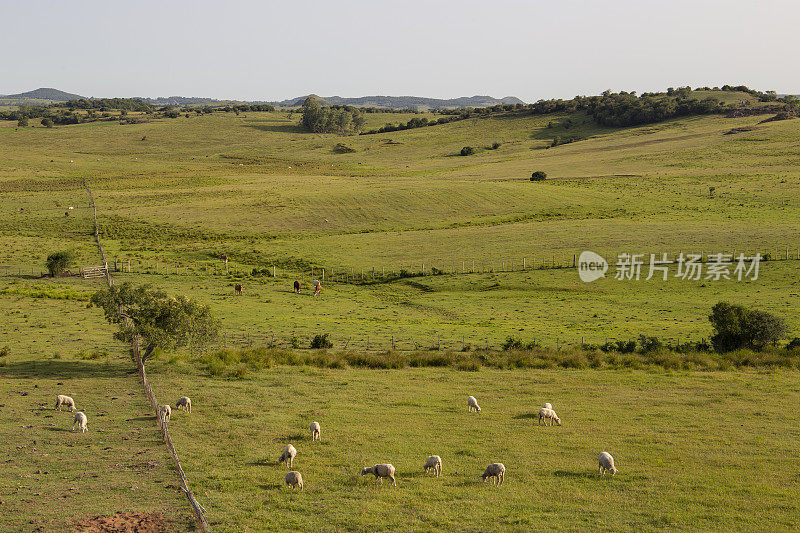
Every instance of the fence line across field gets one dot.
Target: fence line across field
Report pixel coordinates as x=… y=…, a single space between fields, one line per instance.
x=403 y=342
x=383 y=273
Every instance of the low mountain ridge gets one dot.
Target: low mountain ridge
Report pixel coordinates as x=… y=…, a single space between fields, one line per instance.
x=47 y=93
x=403 y=102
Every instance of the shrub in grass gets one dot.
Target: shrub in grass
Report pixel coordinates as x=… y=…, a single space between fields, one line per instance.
x=5 y=351
x=467 y=150
x=538 y=176
x=792 y=345
x=341 y=148
x=650 y=344
x=58 y=262
x=321 y=342
x=512 y=343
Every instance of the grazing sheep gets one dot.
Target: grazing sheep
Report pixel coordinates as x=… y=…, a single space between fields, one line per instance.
x=165 y=412
x=294 y=479
x=380 y=472
x=288 y=455
x=607 y=463
x=548 y=415
x=184 y=403
x=548 y=406
x=434 y=464
x=472 y=404
x=315 y=431
x=65 y=401
x=80 y=420
x=495 y=471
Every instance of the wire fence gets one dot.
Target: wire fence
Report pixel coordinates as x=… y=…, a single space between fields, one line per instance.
x=198 y=509
x=380 y=274
x=404 y=342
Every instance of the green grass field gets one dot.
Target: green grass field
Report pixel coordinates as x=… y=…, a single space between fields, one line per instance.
x=696 y=450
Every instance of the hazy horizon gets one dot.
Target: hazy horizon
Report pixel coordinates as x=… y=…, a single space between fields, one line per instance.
x=248 y=50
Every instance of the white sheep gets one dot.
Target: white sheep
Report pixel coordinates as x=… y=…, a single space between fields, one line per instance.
x=80 y=420
x=380 y=472
x=165 y=412
x=548 y=415
x=607 y=463
x=65 y=401
x=495 y=471
x=434 y=464
x=288 y=455
x=548 y=406
x=472 y=404
x=294 y=479
x=184 y=403
x=315 y=431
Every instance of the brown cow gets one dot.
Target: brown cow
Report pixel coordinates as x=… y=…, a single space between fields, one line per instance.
x=297 y=286
x=238 y=288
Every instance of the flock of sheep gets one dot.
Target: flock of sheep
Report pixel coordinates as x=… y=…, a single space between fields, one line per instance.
x=495 y=472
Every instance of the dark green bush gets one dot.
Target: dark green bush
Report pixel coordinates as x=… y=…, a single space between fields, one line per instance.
x=467 y=150
x=58 y=262
x=538 y=176
x=341 y=148
x=737 y=327
x=321 y=342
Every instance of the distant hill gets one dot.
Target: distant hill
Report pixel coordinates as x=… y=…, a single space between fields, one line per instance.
x=386 y=102
x=403 y=102
x=46 y=94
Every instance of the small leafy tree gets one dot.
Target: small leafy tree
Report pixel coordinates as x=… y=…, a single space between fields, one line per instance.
x=467 y=150
x=47 y=122
x=538 y=176
x=22 y=122
x=58 y=262
x=737 y=327
x=155 y=318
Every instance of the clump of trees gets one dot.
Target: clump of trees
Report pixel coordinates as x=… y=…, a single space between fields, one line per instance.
x=737 y=327
x=340 y=119
x=160 y=321
x=58 y=262
x=107 y=104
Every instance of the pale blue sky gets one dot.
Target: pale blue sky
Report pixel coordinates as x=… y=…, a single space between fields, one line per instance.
x=264 y=50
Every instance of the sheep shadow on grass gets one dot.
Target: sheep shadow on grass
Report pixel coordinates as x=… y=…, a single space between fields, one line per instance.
x=294 y=437
x=582 y=474
x=526 y=416
x=270 y=486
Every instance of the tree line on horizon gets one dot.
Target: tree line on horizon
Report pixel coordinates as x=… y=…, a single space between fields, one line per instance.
x=607 y=109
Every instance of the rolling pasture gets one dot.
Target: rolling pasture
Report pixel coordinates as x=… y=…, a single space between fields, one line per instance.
x=695 y=450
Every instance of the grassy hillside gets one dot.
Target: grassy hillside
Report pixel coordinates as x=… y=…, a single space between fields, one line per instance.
x=255 y=185
x=174 y=195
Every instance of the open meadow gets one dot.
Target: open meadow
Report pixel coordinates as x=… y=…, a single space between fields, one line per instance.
x=424 y=254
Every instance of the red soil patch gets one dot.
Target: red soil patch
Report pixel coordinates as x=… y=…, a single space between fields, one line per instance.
x=124 y=523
